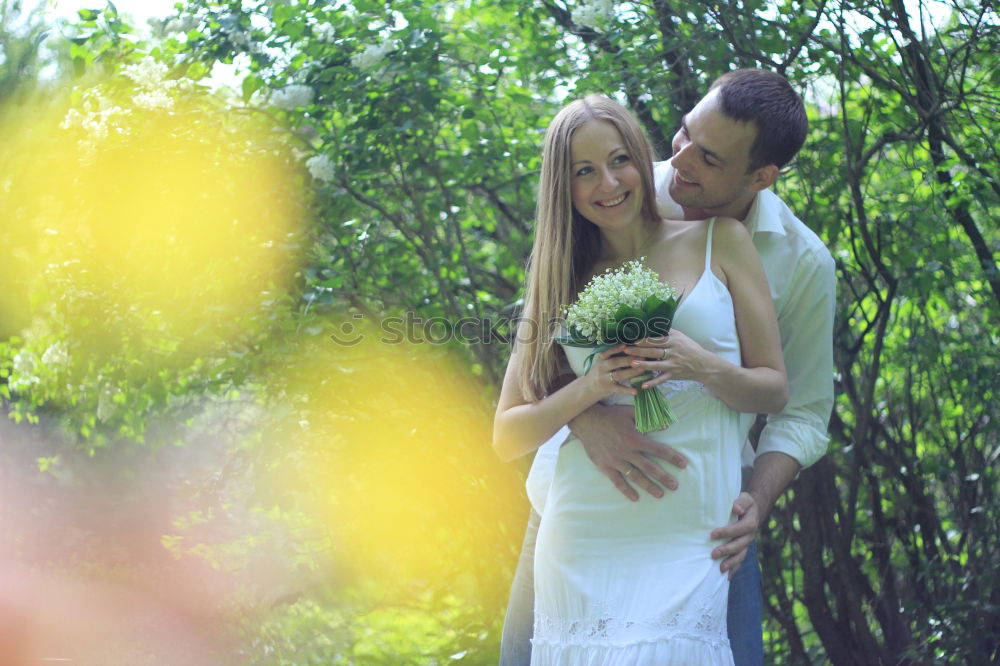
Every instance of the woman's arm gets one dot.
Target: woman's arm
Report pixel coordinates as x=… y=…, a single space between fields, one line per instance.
x=520 y=426
x=759 y=383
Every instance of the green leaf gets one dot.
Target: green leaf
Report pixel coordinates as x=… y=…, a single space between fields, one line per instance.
x=88 y=14
x=629 y=312
x=284 y=13
x=661 y=318
x=250 y=85
x=650 y=304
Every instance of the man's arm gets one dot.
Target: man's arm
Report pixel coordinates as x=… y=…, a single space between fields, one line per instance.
x=806 y=327
x=612 y=443
x=796 y=437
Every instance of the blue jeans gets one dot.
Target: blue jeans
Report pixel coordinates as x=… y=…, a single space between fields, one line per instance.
x=744 y=616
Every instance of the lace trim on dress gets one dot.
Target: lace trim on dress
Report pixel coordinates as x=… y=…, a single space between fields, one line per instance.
x=682 y=388
x=703 y=624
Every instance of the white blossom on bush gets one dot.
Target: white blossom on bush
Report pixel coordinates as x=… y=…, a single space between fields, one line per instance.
x=150 y=77
x=321 y=168
x=55 y=355
x=592 y=13
x=22 y=375
x=245 y=40
x=147 y=73
x=183 y=24
x=106 y=407
x=373 y=54
x=292 y=97
x=325 y=32
x=96 y=125
x=154 y=99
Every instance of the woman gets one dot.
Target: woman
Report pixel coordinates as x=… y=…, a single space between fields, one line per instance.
x=619 y=582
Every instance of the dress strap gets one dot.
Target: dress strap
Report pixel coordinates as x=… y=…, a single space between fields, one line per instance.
x=708 y=246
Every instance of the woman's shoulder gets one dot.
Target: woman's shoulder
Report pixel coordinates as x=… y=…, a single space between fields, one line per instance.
x=730 y=236
x=732 y=245
x=731 y=229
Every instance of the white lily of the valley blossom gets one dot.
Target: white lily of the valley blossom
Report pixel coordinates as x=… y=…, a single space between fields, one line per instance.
x=292 y=97
x=592 y=13
x=321 y=168
x=630 y=284
x=373 y=54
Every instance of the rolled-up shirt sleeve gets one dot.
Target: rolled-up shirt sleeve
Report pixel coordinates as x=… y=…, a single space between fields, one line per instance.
x=807 y=343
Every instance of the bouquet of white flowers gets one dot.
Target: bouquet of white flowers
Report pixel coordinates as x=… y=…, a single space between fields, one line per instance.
x=625 y=305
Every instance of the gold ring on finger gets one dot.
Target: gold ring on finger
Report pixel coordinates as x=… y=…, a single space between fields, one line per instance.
x=630 y=470
x=663 y=353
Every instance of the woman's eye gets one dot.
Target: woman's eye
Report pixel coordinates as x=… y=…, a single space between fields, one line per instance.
x=621 y=159
x=584 y=171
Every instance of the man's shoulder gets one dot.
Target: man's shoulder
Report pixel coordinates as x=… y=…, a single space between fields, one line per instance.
x=798 y=236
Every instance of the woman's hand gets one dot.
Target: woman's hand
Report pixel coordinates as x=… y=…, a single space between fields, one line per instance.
x=610 y=372
x=674 y=356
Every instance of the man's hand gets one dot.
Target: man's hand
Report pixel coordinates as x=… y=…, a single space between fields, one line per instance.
x=739 y=534
x=611 y=441
x=772 y=473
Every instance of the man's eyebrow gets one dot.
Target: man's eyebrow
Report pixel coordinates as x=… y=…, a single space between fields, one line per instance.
x=714 y=155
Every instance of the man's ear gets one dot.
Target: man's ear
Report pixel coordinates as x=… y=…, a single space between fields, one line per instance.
x=764 y=177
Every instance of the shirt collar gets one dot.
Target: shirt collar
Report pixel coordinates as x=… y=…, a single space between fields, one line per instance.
x=767 y=214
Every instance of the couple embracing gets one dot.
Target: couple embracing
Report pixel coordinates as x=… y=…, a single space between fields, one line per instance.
x=608 y=575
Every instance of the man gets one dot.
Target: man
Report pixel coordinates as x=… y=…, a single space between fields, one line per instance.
x=727 y=153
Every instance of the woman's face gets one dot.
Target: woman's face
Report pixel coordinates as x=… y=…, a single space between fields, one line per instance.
x=606 y=184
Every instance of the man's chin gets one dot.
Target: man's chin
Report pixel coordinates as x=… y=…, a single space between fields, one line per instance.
x=682 y=197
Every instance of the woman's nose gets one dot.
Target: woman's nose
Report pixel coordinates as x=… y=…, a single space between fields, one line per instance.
x=609 y=180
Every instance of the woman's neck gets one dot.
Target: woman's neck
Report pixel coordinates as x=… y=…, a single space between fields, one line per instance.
x=620 y=246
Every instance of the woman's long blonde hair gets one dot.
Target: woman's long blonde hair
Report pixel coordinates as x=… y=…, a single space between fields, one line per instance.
x=566 y=243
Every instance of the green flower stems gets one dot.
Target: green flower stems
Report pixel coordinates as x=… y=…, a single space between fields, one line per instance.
x=652 y=411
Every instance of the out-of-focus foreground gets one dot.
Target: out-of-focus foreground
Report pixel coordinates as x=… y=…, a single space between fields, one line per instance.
x=250 y=336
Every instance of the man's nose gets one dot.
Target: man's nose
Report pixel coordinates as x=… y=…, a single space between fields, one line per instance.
x=682 y=154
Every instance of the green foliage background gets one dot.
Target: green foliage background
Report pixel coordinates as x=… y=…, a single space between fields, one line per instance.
x=885 y=552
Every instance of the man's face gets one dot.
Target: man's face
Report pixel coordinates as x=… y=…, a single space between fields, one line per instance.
x=711 y=158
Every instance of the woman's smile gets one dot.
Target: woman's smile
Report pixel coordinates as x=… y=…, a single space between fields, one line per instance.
x=611 y=203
